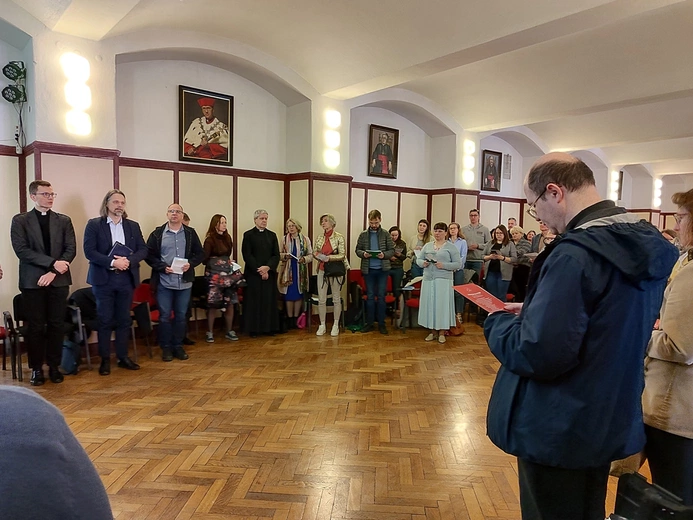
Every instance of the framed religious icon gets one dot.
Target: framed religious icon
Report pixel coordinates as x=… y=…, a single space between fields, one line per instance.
x=383 y=144
x=206 y=126
x=491 y=170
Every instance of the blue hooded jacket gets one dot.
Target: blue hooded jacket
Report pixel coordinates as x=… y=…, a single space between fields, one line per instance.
x=568 y=393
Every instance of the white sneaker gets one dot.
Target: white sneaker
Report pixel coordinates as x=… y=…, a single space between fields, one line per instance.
x=430 y=337
x=209 y=337
x=335 y=330
x=321 y=330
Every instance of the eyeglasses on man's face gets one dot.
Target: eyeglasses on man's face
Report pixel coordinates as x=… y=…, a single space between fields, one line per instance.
x=47 y=194
x=532 y=209
x=175 y=212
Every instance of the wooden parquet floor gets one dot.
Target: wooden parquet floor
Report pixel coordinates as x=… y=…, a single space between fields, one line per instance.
x=362 y=426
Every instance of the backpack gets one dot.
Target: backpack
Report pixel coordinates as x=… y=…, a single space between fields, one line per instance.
x=71 y=357
x=355 y=316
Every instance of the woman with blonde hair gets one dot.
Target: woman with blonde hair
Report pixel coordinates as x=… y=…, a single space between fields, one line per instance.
x=329 y=247
x=295 y=252
x=667 y=399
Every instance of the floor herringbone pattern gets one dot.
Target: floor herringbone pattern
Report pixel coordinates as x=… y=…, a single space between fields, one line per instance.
x=362 y=426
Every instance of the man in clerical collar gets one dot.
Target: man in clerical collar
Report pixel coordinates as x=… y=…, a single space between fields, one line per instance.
x=44 y=242
x=260 y=250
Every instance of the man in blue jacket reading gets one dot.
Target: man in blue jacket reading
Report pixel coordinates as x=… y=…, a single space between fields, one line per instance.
x=566 y=400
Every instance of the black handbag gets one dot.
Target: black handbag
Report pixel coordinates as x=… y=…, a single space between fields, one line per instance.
x=335 y=269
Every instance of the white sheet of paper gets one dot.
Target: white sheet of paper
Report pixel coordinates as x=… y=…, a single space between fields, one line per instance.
x=177 y=264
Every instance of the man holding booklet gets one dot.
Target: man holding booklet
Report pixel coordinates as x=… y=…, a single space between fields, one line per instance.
x=567 y=398
x=174 y=252
x=114 y=246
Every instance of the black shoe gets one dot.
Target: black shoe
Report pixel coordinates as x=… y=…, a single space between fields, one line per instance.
x=179 y=353
x=128 y=363
x=37 y=378
x=367 y=328
x=383 y=329
x=188 y=341
x=54 y=375
x=105 y=368
x=166 y=354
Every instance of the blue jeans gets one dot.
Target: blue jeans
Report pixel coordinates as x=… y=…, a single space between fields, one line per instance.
x=113 y=302
x=475 y=265
x=171 y=334
x=497 y=286
x=376 y=282
x=458 y=279
x=397 y=273
x=415 y=269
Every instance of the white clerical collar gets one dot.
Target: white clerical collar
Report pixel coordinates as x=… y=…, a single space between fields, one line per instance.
x=260 y=229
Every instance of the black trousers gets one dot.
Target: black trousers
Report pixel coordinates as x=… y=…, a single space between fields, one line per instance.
x=548 y=493
x=113 y=302
x=44 y=310
x=671 y=462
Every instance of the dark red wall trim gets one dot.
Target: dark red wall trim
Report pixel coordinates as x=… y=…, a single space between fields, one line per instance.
x=22 y=183
x=78 y=151
x=200 y=168
x=7 y=150
x=287 y=199
x=37 y=164
x=116 y=172
x=176 y=186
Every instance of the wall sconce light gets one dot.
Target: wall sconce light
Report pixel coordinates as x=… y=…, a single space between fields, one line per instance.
x=331 y=158
x=77 y=93
x=333 y=119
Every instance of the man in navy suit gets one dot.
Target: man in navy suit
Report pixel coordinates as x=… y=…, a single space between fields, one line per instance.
x=114 y=246
x=44 y=242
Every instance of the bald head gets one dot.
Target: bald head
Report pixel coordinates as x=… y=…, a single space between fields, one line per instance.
x=559 y=168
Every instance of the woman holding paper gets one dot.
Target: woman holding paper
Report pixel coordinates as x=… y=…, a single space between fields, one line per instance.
x=218 y=247
x=667 y=402
x=329 y=247
x=500 y=255
x=439 y=259
x=295 y=252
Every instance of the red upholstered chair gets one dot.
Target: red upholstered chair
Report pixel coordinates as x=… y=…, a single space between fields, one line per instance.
x=145 y=313
x=412 y=300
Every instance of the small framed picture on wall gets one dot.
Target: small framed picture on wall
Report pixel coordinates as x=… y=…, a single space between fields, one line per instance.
x=206 y=126
x=382 y=151
x=491 y=170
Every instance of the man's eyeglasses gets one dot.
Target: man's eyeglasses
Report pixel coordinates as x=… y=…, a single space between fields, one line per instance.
x=678 y=217
x=175 y=211
x=47 y=194
x=532 y=208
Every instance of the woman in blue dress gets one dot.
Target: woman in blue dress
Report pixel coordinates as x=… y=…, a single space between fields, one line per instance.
x=295 y=253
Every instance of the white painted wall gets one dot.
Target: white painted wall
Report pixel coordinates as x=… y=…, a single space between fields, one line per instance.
x=443 y=161
x=8 y=115
x=509 y=187
x=414 y=168
x=147 y=113
x=298 y=138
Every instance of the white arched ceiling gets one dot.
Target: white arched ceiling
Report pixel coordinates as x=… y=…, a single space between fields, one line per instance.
x=524 y=144
x=422 y=118
x=242 y=67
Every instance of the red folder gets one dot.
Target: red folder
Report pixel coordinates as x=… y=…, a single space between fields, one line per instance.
x=479 y=296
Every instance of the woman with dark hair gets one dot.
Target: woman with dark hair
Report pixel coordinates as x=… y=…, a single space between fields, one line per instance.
x=396 y=268
x=422 y=237
x=295 y=253
x=218 y=247
x=500 y=255
x=530 y=235
x=667 y=399
x=438 y=259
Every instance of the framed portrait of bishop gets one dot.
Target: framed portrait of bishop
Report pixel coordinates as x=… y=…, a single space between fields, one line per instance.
x=206 y=126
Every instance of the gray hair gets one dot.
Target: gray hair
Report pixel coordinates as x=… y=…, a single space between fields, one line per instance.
x=330 y=218
x=295 y=222
x=104 y=204
x=517 y=230
x=259 y=212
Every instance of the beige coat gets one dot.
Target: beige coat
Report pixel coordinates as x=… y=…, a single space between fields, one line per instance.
x=337 y=243
x=668 y=396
